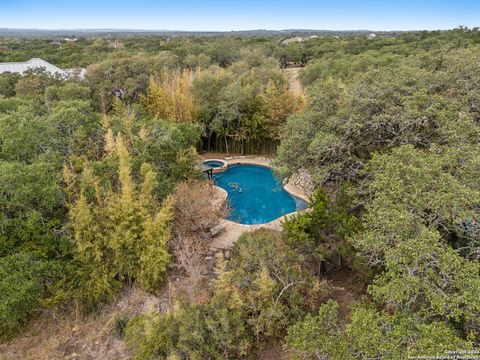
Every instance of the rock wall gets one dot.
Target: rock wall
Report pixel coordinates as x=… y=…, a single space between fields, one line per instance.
x=302 y=180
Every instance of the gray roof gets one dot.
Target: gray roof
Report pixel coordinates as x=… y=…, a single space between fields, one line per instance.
x=35 y=63
x=292 y=40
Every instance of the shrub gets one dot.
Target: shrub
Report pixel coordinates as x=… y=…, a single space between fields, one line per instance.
x=24 y=282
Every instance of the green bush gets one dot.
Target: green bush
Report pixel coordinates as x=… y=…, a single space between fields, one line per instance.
x=371 y=334
x=321 y=229
x=254 y=297
x=24 y=282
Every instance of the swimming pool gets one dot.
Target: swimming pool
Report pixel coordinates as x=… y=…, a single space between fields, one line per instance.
x=255 y=195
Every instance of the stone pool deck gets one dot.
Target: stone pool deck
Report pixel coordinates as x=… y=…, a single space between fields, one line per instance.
x=232 y=230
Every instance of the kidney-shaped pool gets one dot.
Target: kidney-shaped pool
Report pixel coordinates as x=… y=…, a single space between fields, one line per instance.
x=255 y=195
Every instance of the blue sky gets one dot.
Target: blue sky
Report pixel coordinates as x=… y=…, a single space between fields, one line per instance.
x=239 y=15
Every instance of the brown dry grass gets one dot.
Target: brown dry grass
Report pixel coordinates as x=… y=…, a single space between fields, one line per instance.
x=70 y=335
x=272 y=351
x=293 y=81
x=346 y=288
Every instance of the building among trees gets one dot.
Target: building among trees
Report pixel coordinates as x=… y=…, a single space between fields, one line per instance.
x=33 y=64
x=38 y=64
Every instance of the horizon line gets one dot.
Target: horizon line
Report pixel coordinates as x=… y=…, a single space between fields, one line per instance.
x=237 y=30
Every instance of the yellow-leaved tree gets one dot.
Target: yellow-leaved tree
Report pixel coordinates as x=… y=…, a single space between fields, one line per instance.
x=120 y=233
x=279 y=102
x=170 y=97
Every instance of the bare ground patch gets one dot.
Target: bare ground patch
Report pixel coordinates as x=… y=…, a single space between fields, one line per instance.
x=71 y=335
x=346 y=288
x=293 y=80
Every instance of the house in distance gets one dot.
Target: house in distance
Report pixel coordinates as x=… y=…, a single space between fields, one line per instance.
x=37 y=64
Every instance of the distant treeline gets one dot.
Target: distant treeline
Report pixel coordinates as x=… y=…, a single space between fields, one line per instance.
x=87 y=33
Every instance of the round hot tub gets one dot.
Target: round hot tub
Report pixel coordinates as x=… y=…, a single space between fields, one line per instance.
x=216 y=164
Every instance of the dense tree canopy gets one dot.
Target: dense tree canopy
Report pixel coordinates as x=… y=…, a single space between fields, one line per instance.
x=399 y=126
x=100 y=189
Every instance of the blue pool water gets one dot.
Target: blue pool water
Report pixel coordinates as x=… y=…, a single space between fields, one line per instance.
x=255 y=196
